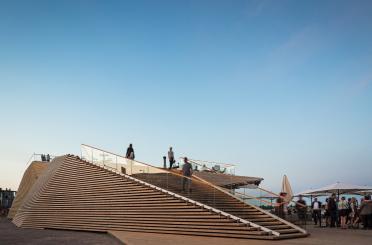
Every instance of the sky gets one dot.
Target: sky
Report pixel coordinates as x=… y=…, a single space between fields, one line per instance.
x=276 y=87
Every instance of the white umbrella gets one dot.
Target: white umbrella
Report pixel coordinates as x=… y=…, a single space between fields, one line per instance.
x=339 y=188
x=286 y=188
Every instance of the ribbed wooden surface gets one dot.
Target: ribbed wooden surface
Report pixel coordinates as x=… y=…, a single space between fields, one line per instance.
x=76 y=195
x=32 y=173
x=212 y=197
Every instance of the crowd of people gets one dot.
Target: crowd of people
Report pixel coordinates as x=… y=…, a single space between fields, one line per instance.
x=334 y=212
x=347 y=213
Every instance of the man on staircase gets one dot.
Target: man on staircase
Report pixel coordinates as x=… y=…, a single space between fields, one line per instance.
x=186 y=172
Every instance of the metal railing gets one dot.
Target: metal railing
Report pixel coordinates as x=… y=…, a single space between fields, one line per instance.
x=172 y=182
x=38 y=157
x=156 y=178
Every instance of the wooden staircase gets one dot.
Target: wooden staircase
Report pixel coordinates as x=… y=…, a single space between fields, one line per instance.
x=220 y=199
x=76 y=195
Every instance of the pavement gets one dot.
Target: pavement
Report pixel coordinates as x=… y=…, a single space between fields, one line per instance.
x=319 y=236
x=12 y=235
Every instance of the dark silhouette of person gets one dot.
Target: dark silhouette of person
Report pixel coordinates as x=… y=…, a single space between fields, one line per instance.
x=280 y=202
x=130 y=152
x=332 y=210
x=186 y=172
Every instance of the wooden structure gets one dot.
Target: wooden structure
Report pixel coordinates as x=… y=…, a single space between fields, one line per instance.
x=74 y=194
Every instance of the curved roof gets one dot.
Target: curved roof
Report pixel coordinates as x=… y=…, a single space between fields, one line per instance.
x=226 y=180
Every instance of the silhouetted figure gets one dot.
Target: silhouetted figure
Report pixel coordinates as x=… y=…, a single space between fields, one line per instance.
x=366 y=212
x=171 y=157
x=301 y=209
x=130 y=152
x=279 y=208
x=43 y=159
x=187 y=172
x=48 y=158
x=332 y=210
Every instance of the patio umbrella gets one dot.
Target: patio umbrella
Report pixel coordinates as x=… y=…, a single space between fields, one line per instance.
x=286 y=188
x=339 y=188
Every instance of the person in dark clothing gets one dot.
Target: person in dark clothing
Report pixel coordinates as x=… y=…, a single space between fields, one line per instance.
x=43 y=159
x=301 y=209
x=366 y=212
x=48 y=158
x=280 y=202
x=130 y=152
x=332 y=210
x=316 y=208
x=187 y=172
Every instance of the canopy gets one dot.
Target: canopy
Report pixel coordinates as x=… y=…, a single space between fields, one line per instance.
x=338 y=188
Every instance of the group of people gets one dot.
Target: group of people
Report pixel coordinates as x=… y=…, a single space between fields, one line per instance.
x=186 y=168
x=45 y=158
x=339 y=212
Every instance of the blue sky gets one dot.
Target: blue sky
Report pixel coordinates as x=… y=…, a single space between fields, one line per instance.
x=277 y=87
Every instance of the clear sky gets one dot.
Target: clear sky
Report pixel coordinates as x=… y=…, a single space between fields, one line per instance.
x=277 y=87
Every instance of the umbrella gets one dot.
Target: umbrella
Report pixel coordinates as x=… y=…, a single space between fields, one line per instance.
x=286 y=188
x=339 y=188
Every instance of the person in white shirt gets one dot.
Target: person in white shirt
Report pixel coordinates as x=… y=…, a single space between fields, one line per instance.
x=316 y=207
x=171 y=157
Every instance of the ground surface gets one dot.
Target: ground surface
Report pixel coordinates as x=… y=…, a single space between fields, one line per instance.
x=319 y=236
x=10 y=234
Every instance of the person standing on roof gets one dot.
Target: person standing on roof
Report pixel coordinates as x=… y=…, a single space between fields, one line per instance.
x=171 y=157
x=186 y=172
x=130 y=152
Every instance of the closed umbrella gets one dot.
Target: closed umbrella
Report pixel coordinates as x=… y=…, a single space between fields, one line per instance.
x=286 y=188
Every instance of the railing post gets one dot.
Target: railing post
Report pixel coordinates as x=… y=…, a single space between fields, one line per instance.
x=103 y=158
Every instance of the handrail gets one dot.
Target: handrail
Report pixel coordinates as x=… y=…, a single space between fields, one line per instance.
x=203 y=206
x=256 y=198
x=184 y=198
x=201 y=180
x=227 y=165
x=263 y=211
x=121 y=156
x=297 y=203
x=32 y=158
